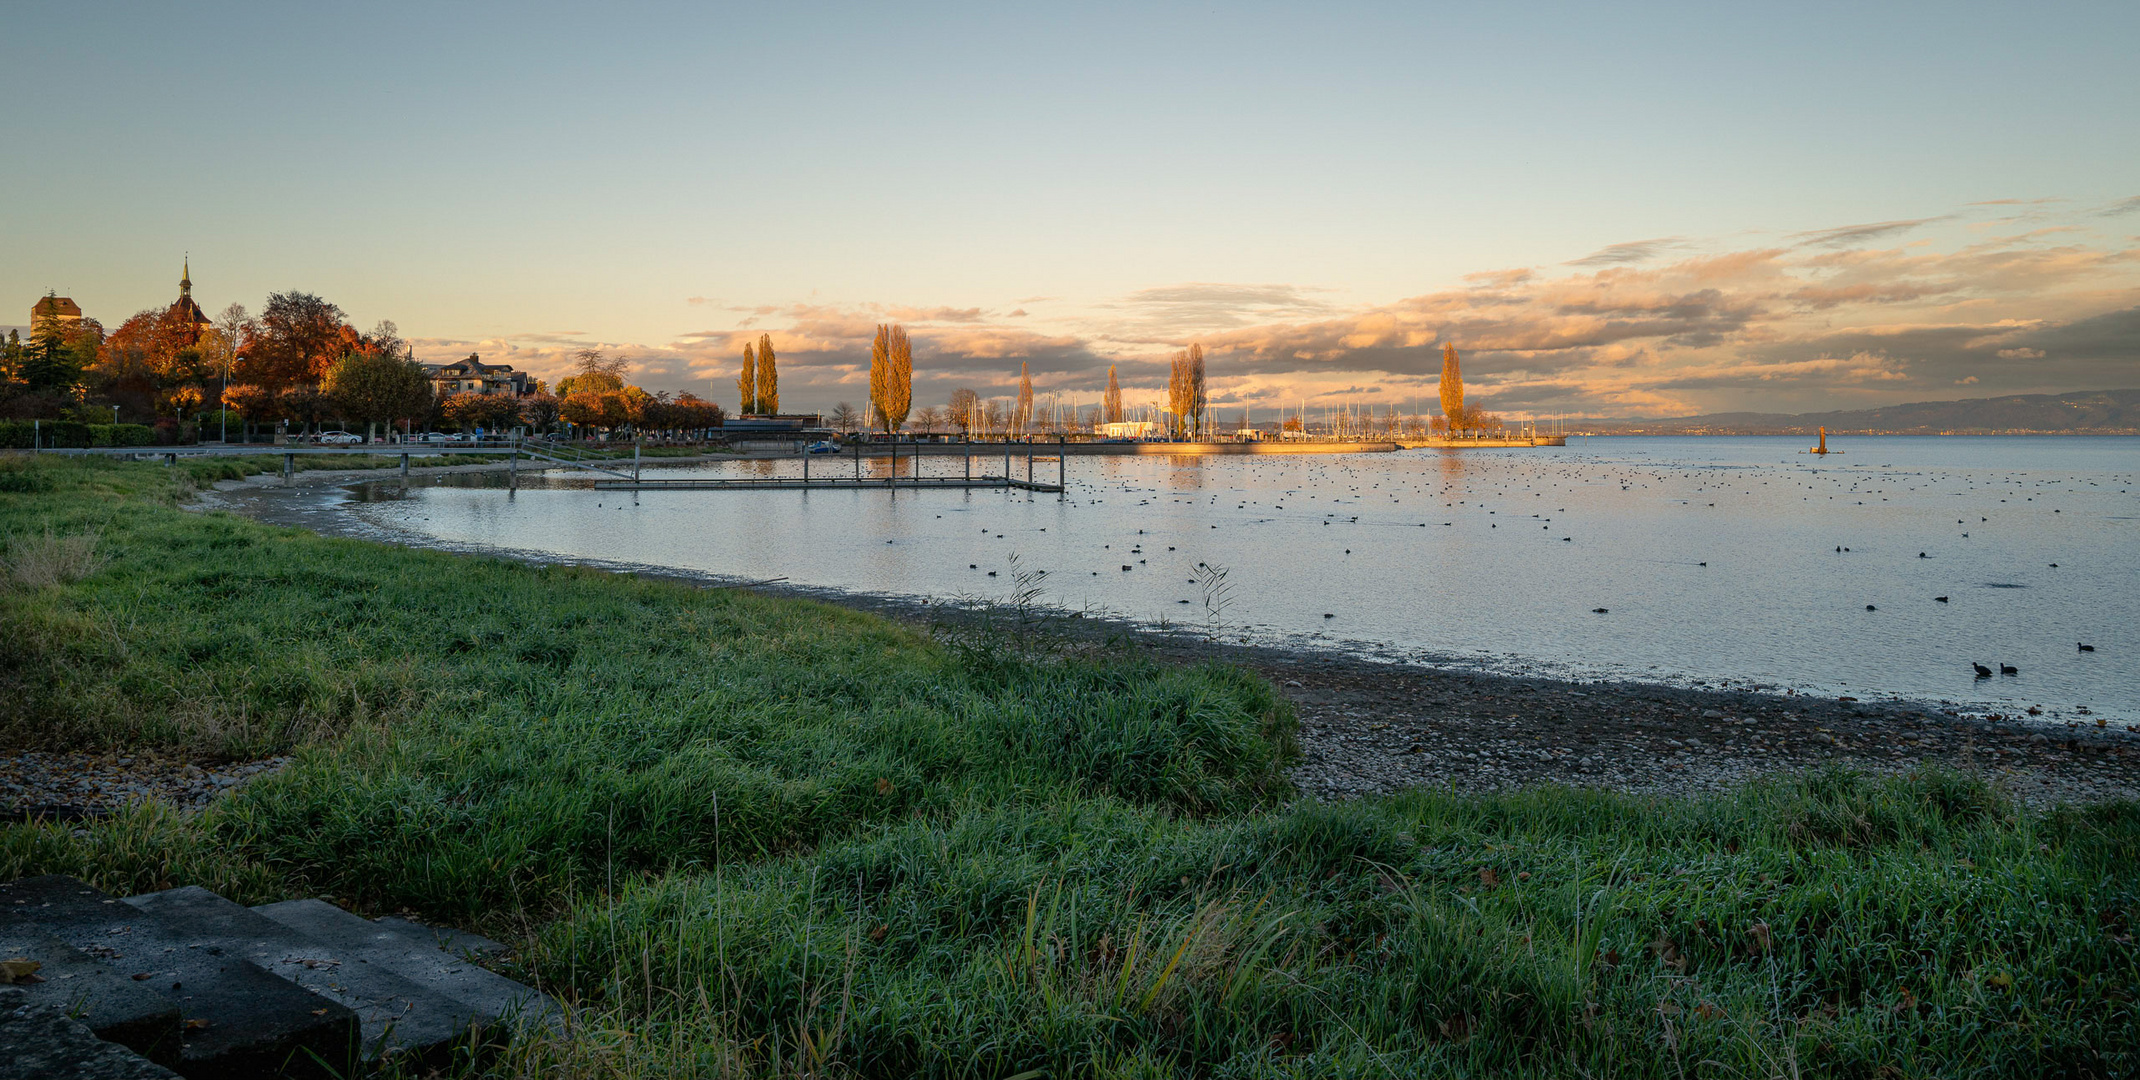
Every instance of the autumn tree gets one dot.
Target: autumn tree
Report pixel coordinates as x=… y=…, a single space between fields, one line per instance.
x=1185 y=390
x=540 y=409
x=901 y=399
x=768 y=377
x=1452 y=388
x=380 y=387
x=930 y=419
x=747 y=382
x=297 y=338
x=1022 y=416
x=964 y=409
x=1111 y=403
x=489 y=412
x=58 y=352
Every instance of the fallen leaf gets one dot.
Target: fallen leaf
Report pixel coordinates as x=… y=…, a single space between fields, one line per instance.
x=884 y=786
x=1488 y=878
x=1762 y=941
x=19 y=971
x=878 y=933
x=197 y=1024
x=1667 y=950
x=1707 y=1011
x=138 y=976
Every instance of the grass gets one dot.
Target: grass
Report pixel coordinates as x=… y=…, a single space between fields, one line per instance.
x=768 y=838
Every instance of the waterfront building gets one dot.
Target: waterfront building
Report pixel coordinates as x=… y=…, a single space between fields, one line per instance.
x=473 y=376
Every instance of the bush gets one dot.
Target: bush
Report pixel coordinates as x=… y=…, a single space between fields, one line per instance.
x=47 y=434
x=121 y=435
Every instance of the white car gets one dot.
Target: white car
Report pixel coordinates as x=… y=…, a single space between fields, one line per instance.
x=339 y=438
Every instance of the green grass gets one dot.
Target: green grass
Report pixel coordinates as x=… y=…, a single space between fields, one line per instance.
x=755 y=837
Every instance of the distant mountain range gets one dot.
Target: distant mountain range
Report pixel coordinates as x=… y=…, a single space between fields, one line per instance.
x=2091 y=412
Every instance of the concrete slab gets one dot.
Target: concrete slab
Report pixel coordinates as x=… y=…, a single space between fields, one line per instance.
x=39 y=1042
x=109 y=1003
x=399 y=1017
x=240 y=1020
x=413 y=951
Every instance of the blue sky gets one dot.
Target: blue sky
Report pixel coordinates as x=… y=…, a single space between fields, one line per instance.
x=1315 y=191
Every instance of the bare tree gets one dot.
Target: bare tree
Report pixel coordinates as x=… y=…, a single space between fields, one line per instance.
x=844 y=417
x=1111 y=405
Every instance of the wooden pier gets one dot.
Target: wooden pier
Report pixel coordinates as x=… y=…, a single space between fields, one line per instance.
x=797 y=483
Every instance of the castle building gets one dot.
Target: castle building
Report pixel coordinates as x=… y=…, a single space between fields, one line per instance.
x=55 y=306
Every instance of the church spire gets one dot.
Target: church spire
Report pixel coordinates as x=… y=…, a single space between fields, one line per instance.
x=185 y=279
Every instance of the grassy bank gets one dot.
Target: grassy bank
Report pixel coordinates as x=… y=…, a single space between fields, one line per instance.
x=757 y=837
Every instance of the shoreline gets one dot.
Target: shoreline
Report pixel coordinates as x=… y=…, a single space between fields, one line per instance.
x=1379 y=725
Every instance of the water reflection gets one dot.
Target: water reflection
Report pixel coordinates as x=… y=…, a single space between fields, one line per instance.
x=1716 y=558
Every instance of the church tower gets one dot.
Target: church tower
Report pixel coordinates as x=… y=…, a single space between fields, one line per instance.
x=195 y=320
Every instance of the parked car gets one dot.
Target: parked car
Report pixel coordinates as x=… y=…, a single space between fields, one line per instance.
x=826 y=446
x=339 y=438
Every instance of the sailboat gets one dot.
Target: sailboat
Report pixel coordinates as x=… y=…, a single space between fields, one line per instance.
x=1823 y=447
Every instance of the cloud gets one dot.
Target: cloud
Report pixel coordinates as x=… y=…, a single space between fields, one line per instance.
x=1849 y=235
x=1633 y=251
x=2122 y=206
x=1654 y=327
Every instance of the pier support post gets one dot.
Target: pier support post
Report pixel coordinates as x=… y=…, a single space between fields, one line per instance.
x=289 y=468
x=404 y=465
x=858 y=462
x=806 y=466
x=969 y=461
x=636 y=444
x=512 y=470
x=1062 y=458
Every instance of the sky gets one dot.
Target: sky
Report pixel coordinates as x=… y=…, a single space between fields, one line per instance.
x=1624 y=210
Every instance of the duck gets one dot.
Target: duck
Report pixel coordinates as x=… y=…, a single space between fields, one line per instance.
x=1982 y=671
x=1941 y=599
x=2086 y=648
x=1599 y=610
x=2009 y=669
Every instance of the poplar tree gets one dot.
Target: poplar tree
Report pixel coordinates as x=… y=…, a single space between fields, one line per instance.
x=768 y=377
x=1197 y=399
x=1024 y=416
x=880 y=377
x=1178 y=389
x=1452 y=388
x=1111 y=405
x=899 y=391
x=747 y=383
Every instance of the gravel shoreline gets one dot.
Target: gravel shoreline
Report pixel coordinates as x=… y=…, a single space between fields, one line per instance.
x=1369 y=726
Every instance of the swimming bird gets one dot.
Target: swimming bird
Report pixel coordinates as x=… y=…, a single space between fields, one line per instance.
x=1982 y=671
x=1869 y=607
x=1598 y=610
x=2086 y=648
x=1941 y=599
x=2009 y=669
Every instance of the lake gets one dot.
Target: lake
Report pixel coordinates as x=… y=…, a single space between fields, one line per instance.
x=1718 y=561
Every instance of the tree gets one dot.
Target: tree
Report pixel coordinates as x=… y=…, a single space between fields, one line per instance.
x=880 y=373
x=298 y=336
x=768 y=377
x=747 y=382
x=843 y=416
x=1023 y=417
x=540 y=409
x=901 y=399
x=593 y=361
x=304 y=404
x=930 y=419
x=965 y=408
x=1185 y=389
x=1452 y=388
x=1111 y=404
x=380 y=387
x=59 y=352
x=490 y=412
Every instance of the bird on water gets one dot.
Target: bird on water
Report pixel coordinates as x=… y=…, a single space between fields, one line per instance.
x=1982 y=671
x=2086 y=648
x=2009 y=669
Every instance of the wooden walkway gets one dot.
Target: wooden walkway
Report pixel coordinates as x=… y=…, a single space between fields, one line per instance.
x=798 y=483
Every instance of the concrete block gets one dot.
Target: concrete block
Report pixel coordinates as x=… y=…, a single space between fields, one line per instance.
x=241 y=1021
x=40 y=1042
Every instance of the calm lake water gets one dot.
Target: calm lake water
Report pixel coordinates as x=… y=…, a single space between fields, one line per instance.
x=1719 y=560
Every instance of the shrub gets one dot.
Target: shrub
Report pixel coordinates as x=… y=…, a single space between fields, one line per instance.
x=48 y=434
